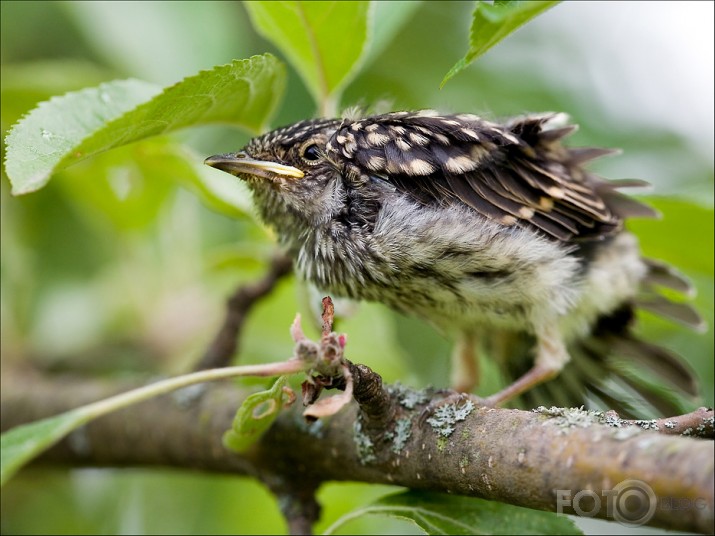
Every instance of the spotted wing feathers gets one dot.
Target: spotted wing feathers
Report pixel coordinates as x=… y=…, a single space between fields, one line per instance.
x=516 y=174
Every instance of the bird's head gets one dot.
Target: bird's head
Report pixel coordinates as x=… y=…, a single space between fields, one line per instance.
x=293 y=179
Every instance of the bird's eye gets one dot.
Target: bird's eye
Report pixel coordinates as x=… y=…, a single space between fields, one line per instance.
x=311 y=153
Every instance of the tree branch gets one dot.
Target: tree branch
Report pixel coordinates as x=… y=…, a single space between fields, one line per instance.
x=518 y=457
x=225 y=344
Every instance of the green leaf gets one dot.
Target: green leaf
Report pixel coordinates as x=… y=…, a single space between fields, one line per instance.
x=19 y=445
x=65 y=130
x=37 y=145
x=388 y=19
x=255 y=416
x=220 y=191
x=493 y=22
x=324 y=41
x=438 y=513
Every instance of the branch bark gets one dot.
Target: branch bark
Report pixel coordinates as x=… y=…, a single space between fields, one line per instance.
x=518 y=457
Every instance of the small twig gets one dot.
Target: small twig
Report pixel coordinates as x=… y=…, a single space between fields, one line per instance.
x=300 y=513
x=297 y=502
x=330 y=370
x=225 y=344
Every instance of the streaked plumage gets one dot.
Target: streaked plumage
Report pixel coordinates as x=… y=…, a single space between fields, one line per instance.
x=494 y=232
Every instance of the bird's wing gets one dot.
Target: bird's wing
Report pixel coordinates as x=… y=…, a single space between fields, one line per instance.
x=518 y=173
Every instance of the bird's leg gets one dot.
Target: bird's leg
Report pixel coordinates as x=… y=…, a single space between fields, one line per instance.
x=551 y=357
x=465 y=365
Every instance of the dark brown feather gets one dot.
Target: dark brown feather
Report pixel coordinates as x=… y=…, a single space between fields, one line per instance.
x=627 y=207
x=471 y=197
x=556 y=225
x=667 y=366
x=663 y=275
x=682 y=313
x=581 y=155
x=515 y=174
x=627 y=183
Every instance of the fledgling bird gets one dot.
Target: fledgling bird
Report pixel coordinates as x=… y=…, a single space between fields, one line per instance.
x=493 y=233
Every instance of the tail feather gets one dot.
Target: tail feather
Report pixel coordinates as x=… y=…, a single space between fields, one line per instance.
x=628 y=183
x=609 y=387
x=581 y=155
x=615 y=369
x=682 y=313
x=664 y=401
x=627 y=207
x=616 y=403
x=553 y=134
x=664 y=364
x=597 y=379
x=661 y=274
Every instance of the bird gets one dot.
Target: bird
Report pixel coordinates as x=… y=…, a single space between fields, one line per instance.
x=495 y=233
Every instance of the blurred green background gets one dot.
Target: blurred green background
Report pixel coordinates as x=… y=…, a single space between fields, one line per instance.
x=115 y=268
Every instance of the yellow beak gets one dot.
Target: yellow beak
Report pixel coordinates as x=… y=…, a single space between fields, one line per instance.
x=241 y=164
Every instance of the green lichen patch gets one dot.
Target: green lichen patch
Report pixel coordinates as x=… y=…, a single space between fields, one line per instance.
x=363 y=443
x=445 y=417
x=441 y=443
x=402 y=433
x=408 y=398
x=572 y=417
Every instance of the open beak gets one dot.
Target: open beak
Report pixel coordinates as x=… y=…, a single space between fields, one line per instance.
x=241 y=164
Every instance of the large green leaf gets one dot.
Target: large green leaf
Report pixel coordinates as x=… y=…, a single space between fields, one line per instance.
x=388 y=18
x=65 y=130
x=438 y=513
x=38 y=144
x=324 y=41
x=493 y=22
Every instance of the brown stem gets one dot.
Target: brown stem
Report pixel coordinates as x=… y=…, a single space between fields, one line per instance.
x=225 y=344
x=297 y=503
